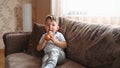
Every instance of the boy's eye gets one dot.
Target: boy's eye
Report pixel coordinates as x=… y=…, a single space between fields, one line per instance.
x=53 y=25
x=48 y=25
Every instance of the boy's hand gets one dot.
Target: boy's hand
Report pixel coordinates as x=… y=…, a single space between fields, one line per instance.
x=49 y=36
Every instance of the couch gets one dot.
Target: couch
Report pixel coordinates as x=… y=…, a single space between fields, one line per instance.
x=89 y=46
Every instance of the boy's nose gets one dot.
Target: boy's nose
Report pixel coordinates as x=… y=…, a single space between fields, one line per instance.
x=50 y=27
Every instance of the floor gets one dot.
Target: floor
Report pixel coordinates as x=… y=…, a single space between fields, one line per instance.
x=2 y=58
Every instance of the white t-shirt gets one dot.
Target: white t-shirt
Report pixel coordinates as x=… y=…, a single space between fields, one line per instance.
x=50 y=45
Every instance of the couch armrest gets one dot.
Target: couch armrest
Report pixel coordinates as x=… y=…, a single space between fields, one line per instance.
x=15 y=42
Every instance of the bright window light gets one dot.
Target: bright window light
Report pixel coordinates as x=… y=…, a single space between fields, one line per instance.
x=91 y=7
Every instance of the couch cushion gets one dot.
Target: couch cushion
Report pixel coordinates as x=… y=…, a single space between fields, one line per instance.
x=22 y=60
x=70 y=64
x=36 y=34
x=93 y=45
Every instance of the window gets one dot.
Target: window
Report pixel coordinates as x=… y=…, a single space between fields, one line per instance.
x=91 y=7
x=89 y=11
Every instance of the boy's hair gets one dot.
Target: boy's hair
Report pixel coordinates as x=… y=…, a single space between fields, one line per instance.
x=52 y=18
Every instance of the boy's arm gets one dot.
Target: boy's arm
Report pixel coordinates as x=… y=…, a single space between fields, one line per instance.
x=41 y=45
x=62 y=44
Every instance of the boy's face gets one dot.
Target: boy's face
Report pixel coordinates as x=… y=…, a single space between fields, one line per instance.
x=51 y=26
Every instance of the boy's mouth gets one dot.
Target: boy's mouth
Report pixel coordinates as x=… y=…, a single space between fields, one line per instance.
x=50 y=30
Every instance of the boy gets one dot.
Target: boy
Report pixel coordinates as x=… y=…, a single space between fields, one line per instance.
x=53 y=43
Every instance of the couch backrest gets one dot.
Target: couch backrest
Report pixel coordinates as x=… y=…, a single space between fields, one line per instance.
x=37 y=31
x=93 y=45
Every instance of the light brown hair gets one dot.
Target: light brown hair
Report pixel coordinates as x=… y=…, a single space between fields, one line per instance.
x=52 y=18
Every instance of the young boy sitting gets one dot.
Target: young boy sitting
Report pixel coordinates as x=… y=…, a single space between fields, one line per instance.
x=53 y=43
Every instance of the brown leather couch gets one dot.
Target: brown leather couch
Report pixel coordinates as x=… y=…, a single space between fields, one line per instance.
x=89 y=46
